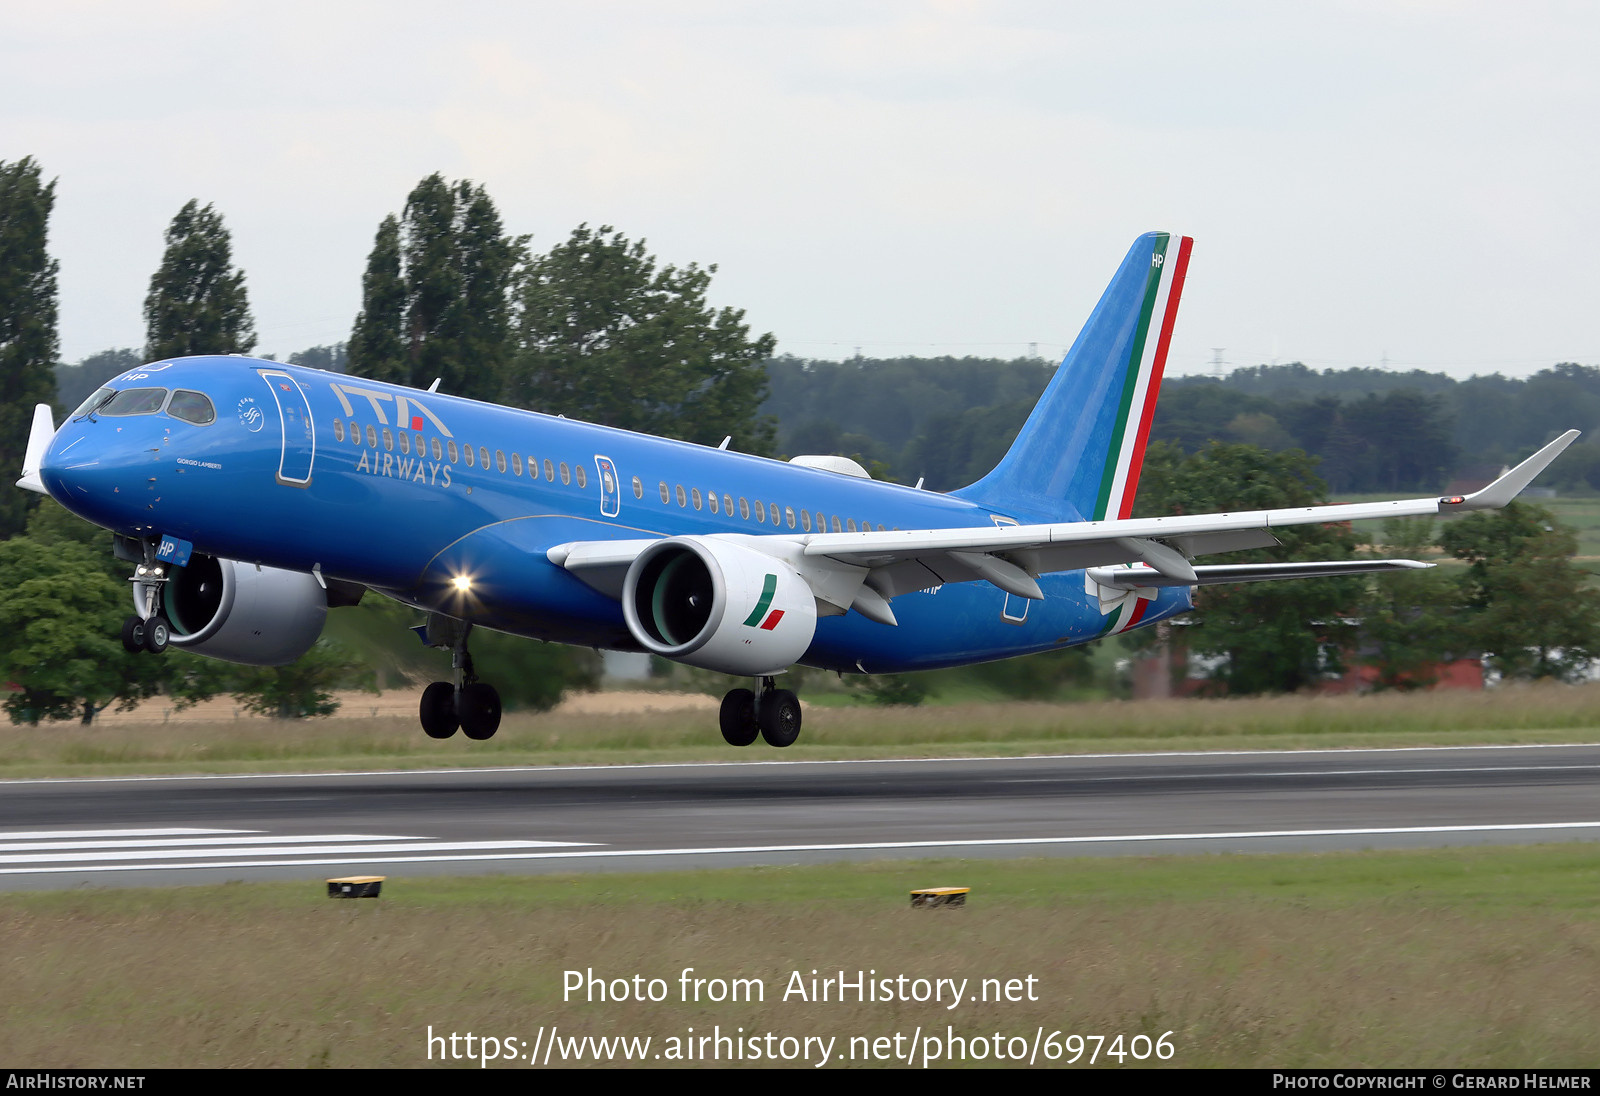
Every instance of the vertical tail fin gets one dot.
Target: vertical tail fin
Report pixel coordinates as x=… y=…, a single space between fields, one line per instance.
x=1079 y=454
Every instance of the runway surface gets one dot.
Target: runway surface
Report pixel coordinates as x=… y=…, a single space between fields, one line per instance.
x=158 y=831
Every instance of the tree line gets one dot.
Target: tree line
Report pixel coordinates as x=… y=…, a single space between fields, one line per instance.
x=597 y=328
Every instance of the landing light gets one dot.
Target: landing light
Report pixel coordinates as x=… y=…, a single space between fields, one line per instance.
x=462 y=583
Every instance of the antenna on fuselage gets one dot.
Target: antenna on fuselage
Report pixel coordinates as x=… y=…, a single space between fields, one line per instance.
x=434 y=387
x=725 y=442
x=918 y=487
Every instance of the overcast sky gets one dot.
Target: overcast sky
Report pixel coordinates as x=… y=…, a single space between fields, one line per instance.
x=1365 y=182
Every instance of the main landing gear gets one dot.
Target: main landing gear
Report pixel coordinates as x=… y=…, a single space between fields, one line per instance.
x=463 y=702
x=149 y=630
x=771 y=712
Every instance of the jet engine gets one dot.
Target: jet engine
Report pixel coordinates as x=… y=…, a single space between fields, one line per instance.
x=718 y=606
x=241 y=612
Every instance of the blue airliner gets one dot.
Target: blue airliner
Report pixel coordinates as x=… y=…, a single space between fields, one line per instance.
x=251 y=496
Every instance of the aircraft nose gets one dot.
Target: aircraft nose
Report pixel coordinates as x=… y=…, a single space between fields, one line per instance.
x=94 y=474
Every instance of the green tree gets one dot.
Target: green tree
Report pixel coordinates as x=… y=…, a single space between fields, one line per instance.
x=1411 y=621
x=436 y=295
x=1275 y=636
x=377 y=343
x=607 y=337
x=301 y=690
x=62 y=616
x=1528 y=604
x=197 y=302
x=28 y=341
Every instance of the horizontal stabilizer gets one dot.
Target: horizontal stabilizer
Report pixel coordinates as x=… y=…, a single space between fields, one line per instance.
x=1128 y=578
x=44 y=428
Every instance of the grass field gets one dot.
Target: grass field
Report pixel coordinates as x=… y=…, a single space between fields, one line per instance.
x=1474 y=957
x=1507 y=715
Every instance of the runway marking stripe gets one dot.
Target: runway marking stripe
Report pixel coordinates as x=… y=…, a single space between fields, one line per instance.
x=170 y=831
x=861 y=846
x=309 y=839
x=290 y=850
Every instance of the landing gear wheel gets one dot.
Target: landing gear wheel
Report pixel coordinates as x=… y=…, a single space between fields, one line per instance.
x=132 y=634
x=778 y=713
x=478 y=706
x=738 y=717
x=157 y=631
x=439 y=710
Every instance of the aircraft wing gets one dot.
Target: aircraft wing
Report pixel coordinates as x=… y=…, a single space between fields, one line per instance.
x=887 y=564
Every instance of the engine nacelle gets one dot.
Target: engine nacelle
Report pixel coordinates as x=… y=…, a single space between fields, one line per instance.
x=239 y=612
x=718 y=606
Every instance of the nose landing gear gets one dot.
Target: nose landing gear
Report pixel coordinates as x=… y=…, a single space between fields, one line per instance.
x=149 y=630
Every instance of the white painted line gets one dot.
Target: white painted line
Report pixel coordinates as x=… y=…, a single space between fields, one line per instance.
x=868 y=846
x=288 y=850
x=1278 y=774
x=309 y=839
x=648 y=766
x=45 y=835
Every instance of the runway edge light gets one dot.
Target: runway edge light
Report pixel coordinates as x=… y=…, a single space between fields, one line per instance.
x=929 y=898
x=356 y=886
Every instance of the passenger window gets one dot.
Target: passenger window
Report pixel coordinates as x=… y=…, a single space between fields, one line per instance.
x=471 y=455
x=438 y=454
x=638 y=488
x=388 y=440
x=549 y=470
x=194 y=407
x=566 y=473
x=761 y=512
x=880 y=527
x=711 y=497
x=850 y=525
x=516 y=464
x=135 y=401
x=727 y=505
x=744 y=508
x=805 y=520
x=836 y=527
x=338 y=430
x=665 y=495
x=355 y=433
x=533 y=467
x=682 y=500
x=696 y=497
x=422 y=448
x=372 y=437
x=483 y=456
x=455 y=454
x=499 y=460
x=583 y=477
x=405 y=442
x=788 y=516
x=772 y=512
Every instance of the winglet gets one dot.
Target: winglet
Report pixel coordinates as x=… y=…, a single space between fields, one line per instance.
x=1510 y=485
x=44 y=428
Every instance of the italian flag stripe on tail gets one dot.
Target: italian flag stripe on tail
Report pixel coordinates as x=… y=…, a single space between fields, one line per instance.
x=1169 y=261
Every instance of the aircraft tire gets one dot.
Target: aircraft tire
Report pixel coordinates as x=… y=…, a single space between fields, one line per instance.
x=478 y=706
x=132 y=634
x=738 y=718
x=778 y=713
x=439 y=710
x=157 y=632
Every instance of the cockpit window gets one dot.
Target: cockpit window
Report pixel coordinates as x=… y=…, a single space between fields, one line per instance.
x=101 y=395
x=192 y=407
x=134 y=401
